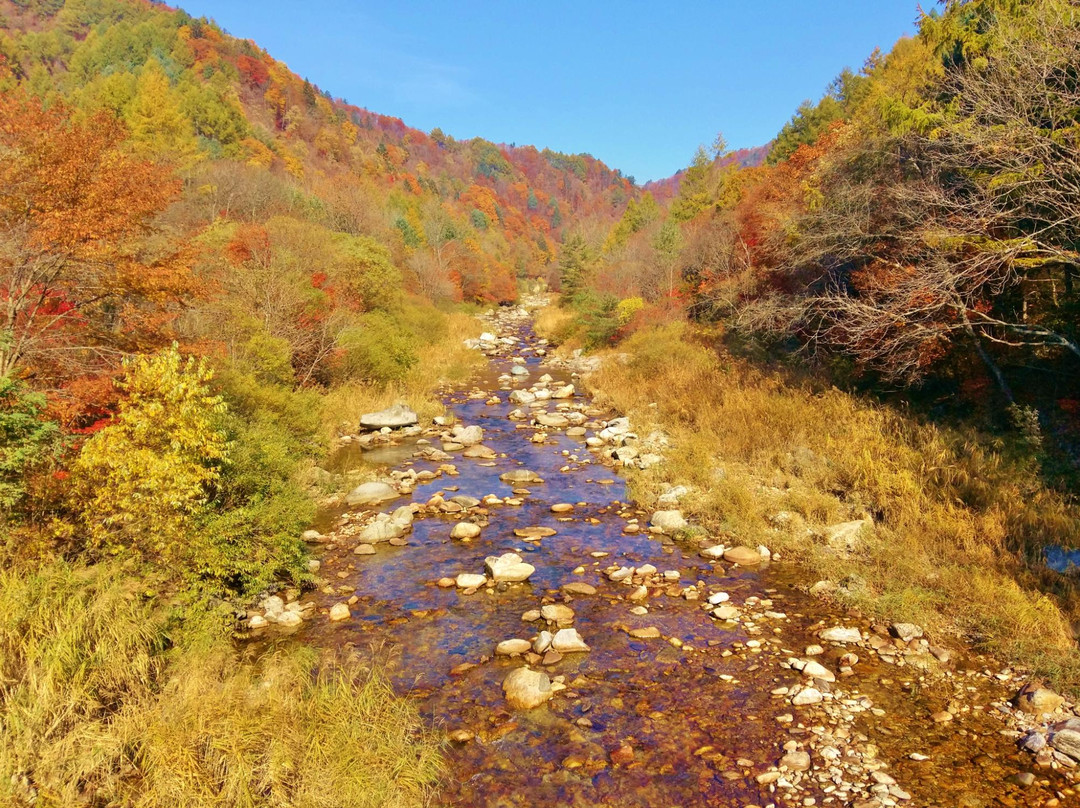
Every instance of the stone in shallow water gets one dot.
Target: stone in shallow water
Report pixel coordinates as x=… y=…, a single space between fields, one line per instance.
x=579 y=588
x=512 y=647
x=557 y=613
x=339 y=612
x=743 y=556
x=394 y=417
x=840 y=634
x=469 y=580
x=479 y=452
x=669 y=521
x=525 y=688
x=796 y=761
x=371 y=494
x=465 y=530
x=533 y=532
x=806 y=696
x=508 y=567
x=568 y=641
x=520 y=477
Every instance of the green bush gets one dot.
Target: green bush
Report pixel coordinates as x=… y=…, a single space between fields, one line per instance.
x=26 y=439
x=378 y=349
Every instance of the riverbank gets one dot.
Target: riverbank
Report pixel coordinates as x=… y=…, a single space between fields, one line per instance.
x=897 y=518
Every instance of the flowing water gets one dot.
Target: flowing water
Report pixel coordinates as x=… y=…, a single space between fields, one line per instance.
x=691 y=715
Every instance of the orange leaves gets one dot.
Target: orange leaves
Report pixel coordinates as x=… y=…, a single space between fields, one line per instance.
x=250 y=244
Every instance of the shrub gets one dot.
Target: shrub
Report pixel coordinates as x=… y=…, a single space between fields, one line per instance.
x=138 y=481
x=378 y=349
x=25 y=438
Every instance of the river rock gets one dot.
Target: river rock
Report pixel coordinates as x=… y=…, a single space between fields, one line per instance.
x=557 y=613
x=815 y=670
x=714 y=553
x=258 y=621
x=339 y=612
x=1067 y=741
x=568 y=641
x=535 y=532
x=906 y=631
x=479 y=452
x=512 y=647
x=551 y=420
x=394 y=417
x=743 y=556
x=469 y=435
x=796 y=761
x=841 y=635
x=579 y=588
x=465 y=530
x=289 y=619
x=1037 y=700
x=508 y=567
x=520 y=477
x=846 y=535
x=807 y=696
x=566 y=391
x=371 y=494
x=364 y=549
x=525 y=688
x=470 y=580
x=670 y=522
x=542 y=642
x=522 y=398
x=383 y=528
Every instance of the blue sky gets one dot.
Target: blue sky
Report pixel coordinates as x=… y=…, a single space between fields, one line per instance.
x=637 y=84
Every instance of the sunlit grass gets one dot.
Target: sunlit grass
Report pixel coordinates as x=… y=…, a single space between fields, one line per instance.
x=955 y=523
x=106 y=700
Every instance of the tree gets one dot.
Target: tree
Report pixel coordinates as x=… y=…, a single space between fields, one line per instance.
x=78 y=285
x=156 y=118
x=140 y=481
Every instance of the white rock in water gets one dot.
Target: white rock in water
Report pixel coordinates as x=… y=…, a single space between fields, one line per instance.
x=394 y=417
x=371 y=494
x=403 y=516
x=487 y=337
x=719 y=597
x=272 y=605
x=469 y=436
x=566 y=391
x=840 y=634
x=808 y=695
x=518 y=370
x=382 y=529
x=512 y=647
x=465 y=530
x=542 y=642
x=470 y=580
x=508 y=567
x=289 y=619
x=714 y=553
x=522 y=397
x=815 y=670
x=339 y=612
x=669 y=521
x=525 y=688
x=568 y=641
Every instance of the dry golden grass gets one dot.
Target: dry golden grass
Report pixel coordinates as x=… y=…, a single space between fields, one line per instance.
x=445 y=361
x=106 y=700
x=955 y=524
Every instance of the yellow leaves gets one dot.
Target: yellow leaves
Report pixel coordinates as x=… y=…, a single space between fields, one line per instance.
x=139 y=480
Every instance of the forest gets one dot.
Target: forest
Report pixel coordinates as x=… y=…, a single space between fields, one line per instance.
x=210 y=268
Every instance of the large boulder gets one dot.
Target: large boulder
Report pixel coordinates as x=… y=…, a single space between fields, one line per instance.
x=525 y=688
x=371 y=494
x=508 y=567
x=395 y=417
x=1037 y=700
x=743 y=556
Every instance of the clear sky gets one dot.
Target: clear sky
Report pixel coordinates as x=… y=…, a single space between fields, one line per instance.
x=636 y=83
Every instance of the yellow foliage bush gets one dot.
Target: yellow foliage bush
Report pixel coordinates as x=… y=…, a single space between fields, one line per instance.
x=138 y=481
